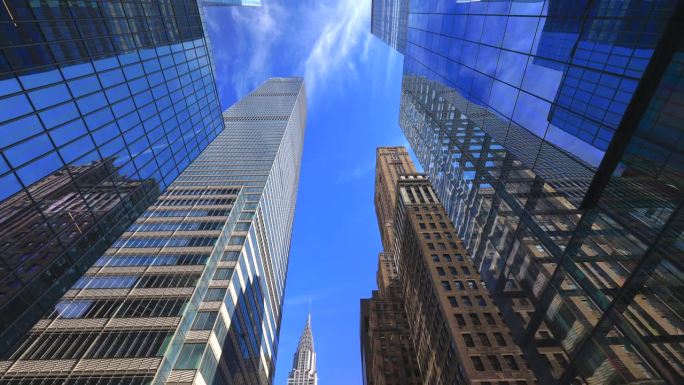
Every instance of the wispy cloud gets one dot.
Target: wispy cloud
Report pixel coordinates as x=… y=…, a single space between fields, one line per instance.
x=247 y=56
x=320 y=36
x=357 y=172
x=341 y=34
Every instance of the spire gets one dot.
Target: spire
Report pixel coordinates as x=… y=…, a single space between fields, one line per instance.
x=306 y=340
x=304 y=363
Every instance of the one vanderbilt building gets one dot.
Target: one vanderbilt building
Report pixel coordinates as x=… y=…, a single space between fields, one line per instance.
x=191 y=293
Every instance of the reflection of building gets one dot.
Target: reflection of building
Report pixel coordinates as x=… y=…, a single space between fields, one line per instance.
x=304 y=364
x=388 y=22
x=54 y=231
x=564 y=71
x=192 y=291
x=126 y=85
x=586 y=270
x=518 y=228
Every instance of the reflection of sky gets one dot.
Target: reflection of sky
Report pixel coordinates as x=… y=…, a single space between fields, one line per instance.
x=133 y=107
x=578 y=113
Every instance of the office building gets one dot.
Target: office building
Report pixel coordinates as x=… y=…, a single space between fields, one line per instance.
x=458 y=333
x=192 y=291
x=304 y=363
x=545 y=139
x=387 y=352
x=94 y=96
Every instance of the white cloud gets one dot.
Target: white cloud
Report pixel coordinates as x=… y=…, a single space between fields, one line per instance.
x=314 y=38
x=340 y=35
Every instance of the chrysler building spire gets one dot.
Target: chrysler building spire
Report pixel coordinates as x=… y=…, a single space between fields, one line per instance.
x=304 y=364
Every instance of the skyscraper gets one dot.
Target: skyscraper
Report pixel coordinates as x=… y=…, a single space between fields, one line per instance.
x=540 y=125
x=109 y=98
x=457 y=331
x=387 y=352
x=304 y=363
x=192 y=291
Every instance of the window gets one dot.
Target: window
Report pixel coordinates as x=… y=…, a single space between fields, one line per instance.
x=435 y=258
x=167 y=280
x=452 y=301
x=459 y=285
x=148 y=344
x=105 y=282
x=446 y=285
x=459 y=257
x=189 y=357
x=489 y=319
x=561 y=360
x=510 y=361
x=204 y=320
x=499 y=339
x=477 y=363
x=468 y=339
x=474 y=319
x=480 y=300
x=215 y=295
x=472 y=284
x=459 y=319
x=494 y=362
x=242 y=226
x=440 y=271
x=447 y=257
x=466 y=301
x=146 y=308
x=452 y=270
x=222 y=274
x=230 y=256
x=484 y=340
x=422 y=226
x=72 y=309
x=466 y=271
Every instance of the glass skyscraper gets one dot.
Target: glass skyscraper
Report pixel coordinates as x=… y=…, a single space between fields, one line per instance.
x=192 y=291
x=552 y=131
x=102 y=105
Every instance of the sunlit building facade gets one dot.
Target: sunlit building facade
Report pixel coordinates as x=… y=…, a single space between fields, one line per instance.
x=548 y=130
x=191 y=293
x=102 y=105
x=455 y=330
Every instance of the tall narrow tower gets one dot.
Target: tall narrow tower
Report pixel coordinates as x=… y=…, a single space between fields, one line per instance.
x=304 y=363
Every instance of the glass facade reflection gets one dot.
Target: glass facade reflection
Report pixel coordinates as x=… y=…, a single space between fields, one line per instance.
x=192 y=291
x=102 y=105
x=551 y=132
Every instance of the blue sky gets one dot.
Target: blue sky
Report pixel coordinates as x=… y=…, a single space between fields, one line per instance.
x=353 y=86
